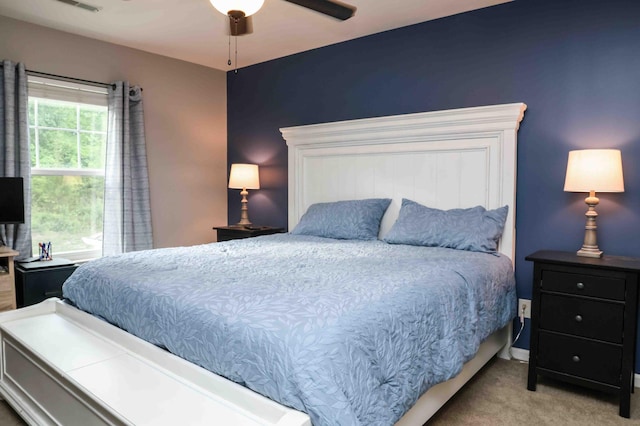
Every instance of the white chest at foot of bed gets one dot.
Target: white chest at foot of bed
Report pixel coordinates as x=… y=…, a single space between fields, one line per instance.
x=63 y=366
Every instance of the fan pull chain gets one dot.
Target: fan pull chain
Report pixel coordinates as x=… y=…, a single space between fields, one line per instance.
x=236 y=16
x=235 y=22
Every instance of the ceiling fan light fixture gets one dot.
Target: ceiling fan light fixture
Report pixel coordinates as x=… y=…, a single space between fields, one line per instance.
x=249 y=7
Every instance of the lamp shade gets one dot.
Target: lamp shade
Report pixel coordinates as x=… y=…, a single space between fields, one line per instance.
x=597 y=170
x=244 y=176
x=249 y=7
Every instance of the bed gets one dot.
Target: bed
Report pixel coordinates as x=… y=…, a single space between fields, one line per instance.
x=445 y=159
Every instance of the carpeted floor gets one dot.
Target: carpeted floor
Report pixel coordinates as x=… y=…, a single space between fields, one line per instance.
x=498 y=396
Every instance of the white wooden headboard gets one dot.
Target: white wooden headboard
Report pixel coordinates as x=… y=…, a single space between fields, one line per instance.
x=443 y=159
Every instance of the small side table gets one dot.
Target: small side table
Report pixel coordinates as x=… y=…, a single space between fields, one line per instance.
x=226 y=233
x=40 y=280
x=584 y=314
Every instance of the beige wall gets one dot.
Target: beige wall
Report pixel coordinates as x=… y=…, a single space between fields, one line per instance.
x=185 y=121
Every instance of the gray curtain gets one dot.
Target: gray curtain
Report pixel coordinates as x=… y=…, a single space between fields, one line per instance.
x=127 y=211
x=14 y=149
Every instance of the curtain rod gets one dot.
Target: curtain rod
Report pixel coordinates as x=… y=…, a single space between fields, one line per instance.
x=70 y=79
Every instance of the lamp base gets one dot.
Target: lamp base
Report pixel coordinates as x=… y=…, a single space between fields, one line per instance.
x=244 y=210
x=589 y=252
x=590 y=245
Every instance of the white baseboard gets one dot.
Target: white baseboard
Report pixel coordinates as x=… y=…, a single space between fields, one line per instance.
x=520 y=354
x=523 y=355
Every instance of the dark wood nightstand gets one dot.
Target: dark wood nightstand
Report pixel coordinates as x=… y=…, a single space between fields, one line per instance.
x=226 y=233
x=584 y=320
x=37 y=281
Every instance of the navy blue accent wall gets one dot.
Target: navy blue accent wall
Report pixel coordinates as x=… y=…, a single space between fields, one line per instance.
x=575 y=63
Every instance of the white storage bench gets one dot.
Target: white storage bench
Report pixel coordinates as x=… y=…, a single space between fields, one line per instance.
x=63 y=366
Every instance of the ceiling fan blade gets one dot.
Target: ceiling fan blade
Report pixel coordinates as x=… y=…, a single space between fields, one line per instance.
x=334 y=9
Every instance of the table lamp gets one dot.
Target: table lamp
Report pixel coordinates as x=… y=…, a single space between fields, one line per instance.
x=244 y=176
x=591 y=170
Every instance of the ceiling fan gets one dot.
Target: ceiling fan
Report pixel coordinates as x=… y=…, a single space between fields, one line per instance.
x=239 y=11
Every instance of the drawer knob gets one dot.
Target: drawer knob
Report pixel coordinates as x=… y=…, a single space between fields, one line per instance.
x=580 y=286
x=578 y=318
x=576 y=358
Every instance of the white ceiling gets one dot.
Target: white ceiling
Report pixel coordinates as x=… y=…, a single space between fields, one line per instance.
x=192 y=30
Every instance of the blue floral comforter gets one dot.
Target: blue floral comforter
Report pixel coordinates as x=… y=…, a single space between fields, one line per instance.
x=350 y=332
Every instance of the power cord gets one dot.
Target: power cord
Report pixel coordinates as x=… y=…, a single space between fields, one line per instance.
x=521 y=317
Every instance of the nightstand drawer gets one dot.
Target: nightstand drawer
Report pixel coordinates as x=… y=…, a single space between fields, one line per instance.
x=51 y=286
x=227 y=233
x=228 y=236
x=582 y=317
x=584 y=284
x=580 y=357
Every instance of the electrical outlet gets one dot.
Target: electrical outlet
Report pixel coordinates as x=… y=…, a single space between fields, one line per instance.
x=527 y=307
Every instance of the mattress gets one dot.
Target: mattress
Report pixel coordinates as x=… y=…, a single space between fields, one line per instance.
x=350 y=332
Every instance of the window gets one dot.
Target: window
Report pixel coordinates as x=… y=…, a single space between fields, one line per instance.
x=68 y=134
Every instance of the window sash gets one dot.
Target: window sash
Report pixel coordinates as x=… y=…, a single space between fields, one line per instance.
x=39 y=171
x=75 y=255
x=40 y=87
x=79 y=256
x=77 y=131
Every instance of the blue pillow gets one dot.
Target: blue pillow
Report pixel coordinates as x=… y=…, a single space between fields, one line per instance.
x=473 y=229
x=346 y=220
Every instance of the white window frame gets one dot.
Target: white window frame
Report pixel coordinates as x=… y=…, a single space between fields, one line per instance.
x=47 y=88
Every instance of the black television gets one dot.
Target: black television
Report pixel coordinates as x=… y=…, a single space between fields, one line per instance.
x=11 y=200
